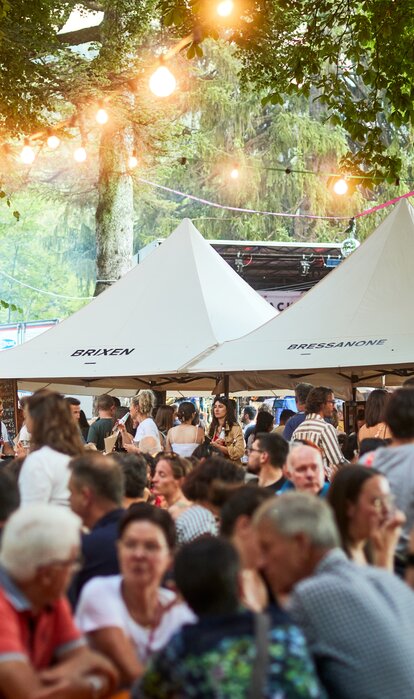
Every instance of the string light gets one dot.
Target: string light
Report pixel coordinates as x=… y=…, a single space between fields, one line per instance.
x=80 y=154
x=225 y=8
x=27 y=155
x=133 y=161
x=162 y=82
x=235 y=173
x=53 y=141
x=102 y=116
x=340 y=187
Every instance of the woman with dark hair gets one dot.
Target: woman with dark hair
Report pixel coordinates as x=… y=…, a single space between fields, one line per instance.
x=265 y=422
x=185 y=438
x=236 y=525
x=83 y=424
x=55 y=438
x=225 y=432
x=164 y=420
x=170 y=471
x=368 y=524
x=375 y=407
x=129 y=617
x=207 y=488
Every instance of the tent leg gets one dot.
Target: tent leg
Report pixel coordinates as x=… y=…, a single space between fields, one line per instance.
x=226 y=382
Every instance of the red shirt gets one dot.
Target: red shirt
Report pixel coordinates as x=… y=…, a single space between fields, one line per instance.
x=38 y=638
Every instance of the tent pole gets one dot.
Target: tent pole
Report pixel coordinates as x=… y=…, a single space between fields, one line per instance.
x=226 y=383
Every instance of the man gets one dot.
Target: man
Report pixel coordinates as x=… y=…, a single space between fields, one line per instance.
x=396 y=462
x=358 y=620
x=96 y=488
x=216 y=656
x=42 y=653
x=135 y=472
x=320 y=404
x=267 y=457
x=302 y=391
x=284 y=416
x=9 y=496
x=75 y=409
x=305 y=471
x=6 y=446
x=248 y=419
x=102 y=427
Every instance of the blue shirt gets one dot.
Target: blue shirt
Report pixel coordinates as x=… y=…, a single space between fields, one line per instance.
x=99 y=552
x=292 y=424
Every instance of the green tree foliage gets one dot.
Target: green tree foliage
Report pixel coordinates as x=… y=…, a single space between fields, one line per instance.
x=355 y=57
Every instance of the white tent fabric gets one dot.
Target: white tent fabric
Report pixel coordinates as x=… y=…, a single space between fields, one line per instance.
x=352 y=327
x=180 y=301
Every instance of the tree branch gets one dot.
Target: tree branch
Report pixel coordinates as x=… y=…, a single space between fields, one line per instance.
x=80 y=36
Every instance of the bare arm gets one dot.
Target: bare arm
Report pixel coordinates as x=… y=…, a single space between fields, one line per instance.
x=113 y=643
x=18 y=680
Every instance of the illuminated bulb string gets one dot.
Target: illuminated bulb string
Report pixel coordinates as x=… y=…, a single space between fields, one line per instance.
x=48 y=293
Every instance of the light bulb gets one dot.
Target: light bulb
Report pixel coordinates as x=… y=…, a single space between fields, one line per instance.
x=340 y=187
x=27 y=156
x=225 y=8
x=234 y=174
x=53 y=142
x=102 y=116
x=80 y=154
x=162 y=82
x=132 y=162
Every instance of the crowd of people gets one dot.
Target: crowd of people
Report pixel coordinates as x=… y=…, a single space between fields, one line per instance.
x=151 y=553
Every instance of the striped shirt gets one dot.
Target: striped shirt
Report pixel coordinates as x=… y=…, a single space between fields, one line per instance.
x=316 y=430
x=194 y=522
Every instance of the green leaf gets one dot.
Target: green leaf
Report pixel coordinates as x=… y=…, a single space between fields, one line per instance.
x=16 y=215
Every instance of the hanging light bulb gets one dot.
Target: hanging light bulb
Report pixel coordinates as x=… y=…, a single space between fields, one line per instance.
x=102 y=116
x=27 y=155
x=80 y=154
x=341 y=186
x=162 y=82
x=53 y=141
x=225 y=8
x=235 y=173
x=133 y=161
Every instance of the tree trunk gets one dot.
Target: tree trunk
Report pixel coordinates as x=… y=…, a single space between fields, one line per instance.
x=114 y=214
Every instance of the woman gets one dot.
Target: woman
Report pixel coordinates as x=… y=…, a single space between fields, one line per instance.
x=141 y=409
x=368 y=524
x=55 y=439
x=206 y=487
x=375 y=426
x=170 y=471
x=164 y=421
x=185 y=438
x=236 y=524
x=225 y=432
x=129 y=617
x=264 y=423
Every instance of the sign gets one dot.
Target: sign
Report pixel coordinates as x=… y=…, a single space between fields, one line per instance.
x=8 y=394
x=280 y=299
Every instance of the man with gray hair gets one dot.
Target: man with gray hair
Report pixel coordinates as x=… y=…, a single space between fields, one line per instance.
x=40 y=551
x=304 y=468
x=358 y=620
x=96 y=488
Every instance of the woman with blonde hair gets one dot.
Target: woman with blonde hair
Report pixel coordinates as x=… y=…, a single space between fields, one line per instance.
x=140 y=410
x=55 y=439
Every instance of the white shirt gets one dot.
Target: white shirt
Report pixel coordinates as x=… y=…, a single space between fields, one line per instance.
x=101 y=605
x=44 y=477
x=146 y=428
x=4 y=436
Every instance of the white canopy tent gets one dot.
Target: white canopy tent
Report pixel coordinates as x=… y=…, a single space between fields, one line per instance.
x=182 y=299
x=352 y=328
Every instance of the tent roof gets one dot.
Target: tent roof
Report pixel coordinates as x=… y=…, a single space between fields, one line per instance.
x=351 y=327
x=180 y=301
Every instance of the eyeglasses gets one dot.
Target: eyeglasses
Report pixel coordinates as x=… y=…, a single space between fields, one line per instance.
x=75 y=564
x=250 y=449
x=330 y=401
